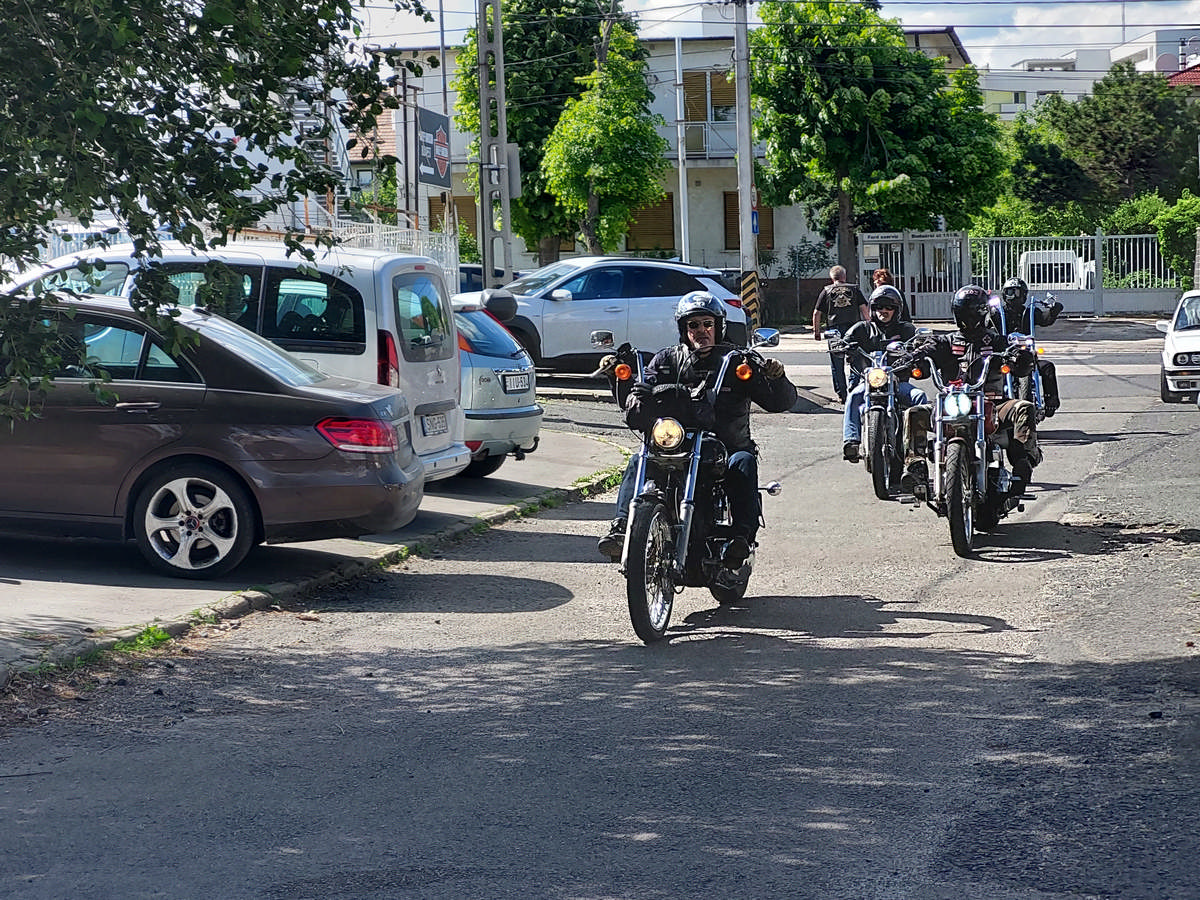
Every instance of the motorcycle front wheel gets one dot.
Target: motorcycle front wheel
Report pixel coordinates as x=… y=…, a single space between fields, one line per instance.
x=880 y=453
x=649 y=571
x=960 y=498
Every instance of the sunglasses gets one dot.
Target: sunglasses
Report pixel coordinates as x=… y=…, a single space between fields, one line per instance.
x=701 y=325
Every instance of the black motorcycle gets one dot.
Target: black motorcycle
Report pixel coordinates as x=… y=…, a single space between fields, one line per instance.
x=1027 y=387
x=680 y=522
x=969 y=484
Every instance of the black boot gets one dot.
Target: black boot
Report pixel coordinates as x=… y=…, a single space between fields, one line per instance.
x=613 y=543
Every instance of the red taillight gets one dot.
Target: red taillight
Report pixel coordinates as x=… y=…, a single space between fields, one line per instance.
x=473 y=445
x=359 y=435
x=389 y=360
x=735 y=301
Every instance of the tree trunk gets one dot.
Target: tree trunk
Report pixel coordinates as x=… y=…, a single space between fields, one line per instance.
x=590 y=227
x=847 y=251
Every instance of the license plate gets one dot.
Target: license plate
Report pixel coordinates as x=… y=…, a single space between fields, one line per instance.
x=434 y=424
x=515 y=384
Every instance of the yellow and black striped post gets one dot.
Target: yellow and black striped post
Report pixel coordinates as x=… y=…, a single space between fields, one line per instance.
x=750 y=300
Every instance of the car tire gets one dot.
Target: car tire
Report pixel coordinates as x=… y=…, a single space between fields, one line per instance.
x=194 y=520
x=1164 y=391
x=481 y=468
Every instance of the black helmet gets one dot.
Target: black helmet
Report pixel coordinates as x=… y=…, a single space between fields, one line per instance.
x=970 y=308
x=1015 y=289
x=700 y=303
x=885 y=297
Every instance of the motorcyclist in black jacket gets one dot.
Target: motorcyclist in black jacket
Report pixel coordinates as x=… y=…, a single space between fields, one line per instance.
x=1021 y=313
x=700 y=317
x=960 y=355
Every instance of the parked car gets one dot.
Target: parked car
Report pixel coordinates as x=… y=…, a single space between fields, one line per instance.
x=560 y=305
x=499 y=387
x=366 y=314
x=1179 y=378
x=200 y=454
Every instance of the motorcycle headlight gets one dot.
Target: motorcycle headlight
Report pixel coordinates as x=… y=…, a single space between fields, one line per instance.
x=876 y=378
x=667 y=433
x=955 y=405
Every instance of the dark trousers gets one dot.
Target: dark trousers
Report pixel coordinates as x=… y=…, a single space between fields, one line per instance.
x=741 y=487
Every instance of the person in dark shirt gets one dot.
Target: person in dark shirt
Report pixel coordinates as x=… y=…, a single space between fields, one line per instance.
x=841 y=305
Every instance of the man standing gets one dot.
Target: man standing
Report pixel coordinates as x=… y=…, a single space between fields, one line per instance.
x=841 y=305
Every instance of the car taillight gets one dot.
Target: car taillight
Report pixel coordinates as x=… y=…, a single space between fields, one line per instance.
x=463 y=344
x=389 y=360
x=473 y=445
x=735 y=301
x=359 y=435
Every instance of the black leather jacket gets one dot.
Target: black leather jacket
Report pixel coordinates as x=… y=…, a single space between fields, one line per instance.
x=680 y=365
x=959 y=357
x=873 y=335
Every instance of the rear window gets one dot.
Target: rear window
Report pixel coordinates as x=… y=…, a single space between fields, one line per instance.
x=319 y=312
x=486 y=336
x=85 y=279
x=423 y=317
x=259 y=351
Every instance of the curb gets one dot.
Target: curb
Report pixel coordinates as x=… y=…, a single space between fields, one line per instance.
x=243 y=603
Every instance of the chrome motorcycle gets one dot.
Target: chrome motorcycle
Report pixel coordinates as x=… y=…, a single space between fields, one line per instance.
x=680 y=522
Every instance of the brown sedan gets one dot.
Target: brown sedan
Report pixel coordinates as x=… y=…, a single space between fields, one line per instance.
x=206 y=452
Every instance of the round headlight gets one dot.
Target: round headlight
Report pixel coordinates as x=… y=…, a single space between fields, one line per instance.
x=667 y=433
x=876 y=378
x=954 y=405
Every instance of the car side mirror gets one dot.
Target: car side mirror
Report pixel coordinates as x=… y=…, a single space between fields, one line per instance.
x=603 y=339
x=1163 y=325
x=561 y=294
x=499 y=302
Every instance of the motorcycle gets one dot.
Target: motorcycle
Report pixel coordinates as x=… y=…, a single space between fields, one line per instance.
x=680 y=520
x=1028 y=387
x=970 y=483
x=882 y=423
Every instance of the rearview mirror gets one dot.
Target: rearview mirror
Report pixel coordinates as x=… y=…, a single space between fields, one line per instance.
x=766 y=337
x=603 y=339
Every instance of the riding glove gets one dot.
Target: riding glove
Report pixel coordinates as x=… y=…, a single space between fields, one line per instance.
x=773 y=368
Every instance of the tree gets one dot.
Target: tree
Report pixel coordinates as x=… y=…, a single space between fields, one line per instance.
x=1177 y=229
x=846 y=110
x=1133 y=134
x=548 y=46
x=604 y=159
x=165 y=115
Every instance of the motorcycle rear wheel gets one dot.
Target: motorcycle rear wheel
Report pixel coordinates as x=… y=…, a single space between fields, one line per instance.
x=649 y=571
x=960 y=498
x=881 y=453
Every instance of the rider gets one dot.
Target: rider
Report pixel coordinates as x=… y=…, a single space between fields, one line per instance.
x=875 y=334
x=959 y=355
x=1021 y=314
x=700 y=317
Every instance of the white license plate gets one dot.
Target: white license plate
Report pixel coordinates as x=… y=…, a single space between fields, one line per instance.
x=434 y=424
x=514 y=384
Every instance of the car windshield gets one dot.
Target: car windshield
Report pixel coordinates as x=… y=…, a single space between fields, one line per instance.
x=1188 y=316
x=538 y=279
x=486 y=336
x=258 y=350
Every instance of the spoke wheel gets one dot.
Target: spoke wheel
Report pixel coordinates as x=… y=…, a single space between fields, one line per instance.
x=960 y=500
x=193 y=520
x=649 y=577
x=880 y=453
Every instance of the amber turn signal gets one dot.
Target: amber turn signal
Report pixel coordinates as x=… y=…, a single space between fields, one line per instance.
x=744 y=372
x=623 y=372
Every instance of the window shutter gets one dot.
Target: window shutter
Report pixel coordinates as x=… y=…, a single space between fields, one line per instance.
x=766 y=224
x=654 y=228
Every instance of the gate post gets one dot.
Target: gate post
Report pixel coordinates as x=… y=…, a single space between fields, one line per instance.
x=1098 y=293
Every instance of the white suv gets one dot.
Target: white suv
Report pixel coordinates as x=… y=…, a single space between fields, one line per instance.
x=560 y=305
x=372 y=315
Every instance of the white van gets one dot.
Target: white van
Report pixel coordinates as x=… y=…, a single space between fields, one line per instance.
x=1055 y=270
x=368 y=314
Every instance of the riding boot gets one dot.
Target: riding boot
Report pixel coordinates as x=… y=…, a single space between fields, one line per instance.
x=613 y=543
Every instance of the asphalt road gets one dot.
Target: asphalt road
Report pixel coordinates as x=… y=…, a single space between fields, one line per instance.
x=880 y=719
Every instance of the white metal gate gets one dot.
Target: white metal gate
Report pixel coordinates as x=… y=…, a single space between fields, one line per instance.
x=927 y=266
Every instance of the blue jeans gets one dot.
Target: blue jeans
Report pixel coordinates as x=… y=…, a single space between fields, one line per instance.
x=906 y=396
x=741 y=487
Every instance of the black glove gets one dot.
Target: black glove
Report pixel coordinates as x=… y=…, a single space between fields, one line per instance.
x=773 y=368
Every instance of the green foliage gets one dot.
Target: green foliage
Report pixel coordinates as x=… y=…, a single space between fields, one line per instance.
x=1135 y=216
x=549 y=45
x=604 y=159
x=1132 y=135
x=1011 y=216
x=1043 y=174
x=846 y=110
x=169 y=115
x=147 y=639
x=1177 y=234
x=807 y=259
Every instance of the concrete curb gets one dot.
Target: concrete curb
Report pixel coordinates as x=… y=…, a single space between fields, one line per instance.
x=243 y=603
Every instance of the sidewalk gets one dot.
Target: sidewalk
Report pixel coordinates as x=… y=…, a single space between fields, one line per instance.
x=63 y=600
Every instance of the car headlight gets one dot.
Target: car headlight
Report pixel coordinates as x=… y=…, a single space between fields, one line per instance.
x=876 y=378
x=954 y=405
x=1187 y=359
x=667 y=433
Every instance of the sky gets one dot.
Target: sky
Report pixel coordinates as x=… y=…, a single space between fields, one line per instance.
x=995 y=33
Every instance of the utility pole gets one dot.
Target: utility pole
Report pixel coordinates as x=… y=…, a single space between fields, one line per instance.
x=747 y=198
x=496 y=155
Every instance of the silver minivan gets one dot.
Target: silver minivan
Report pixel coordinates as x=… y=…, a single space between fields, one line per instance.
x=368 y=314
